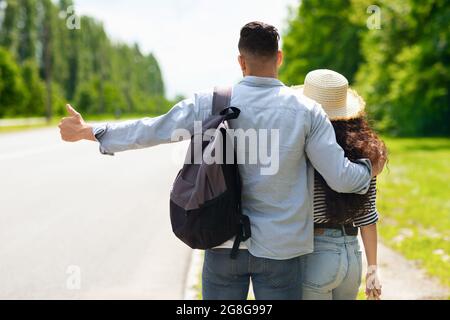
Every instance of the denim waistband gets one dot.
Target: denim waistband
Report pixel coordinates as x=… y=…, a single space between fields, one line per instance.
x=334 y=235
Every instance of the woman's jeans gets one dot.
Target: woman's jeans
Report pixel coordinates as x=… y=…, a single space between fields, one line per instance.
x=333 y=270
x=226 y=279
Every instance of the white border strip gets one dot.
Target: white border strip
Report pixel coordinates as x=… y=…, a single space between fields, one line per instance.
x=193 y=276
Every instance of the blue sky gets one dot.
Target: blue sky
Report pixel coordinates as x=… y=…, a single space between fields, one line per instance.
x=195 y=41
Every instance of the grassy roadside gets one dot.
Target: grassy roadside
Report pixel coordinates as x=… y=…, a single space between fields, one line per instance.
x=112 y=117
x=54 y=122
x=414 y=203
x=9 y=129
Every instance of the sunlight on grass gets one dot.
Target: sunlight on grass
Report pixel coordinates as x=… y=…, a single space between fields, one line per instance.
x=414 y=202
x=55 y=121
x=18 y=128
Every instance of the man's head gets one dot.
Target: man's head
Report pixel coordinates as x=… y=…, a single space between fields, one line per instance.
x=259 y=52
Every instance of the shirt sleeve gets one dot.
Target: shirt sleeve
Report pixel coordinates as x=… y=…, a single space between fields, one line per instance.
x=148 y=132
x=329 y=160
x=99 y=130
x=371 y=216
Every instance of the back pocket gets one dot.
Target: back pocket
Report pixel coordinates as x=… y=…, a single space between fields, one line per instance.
x=322 y=268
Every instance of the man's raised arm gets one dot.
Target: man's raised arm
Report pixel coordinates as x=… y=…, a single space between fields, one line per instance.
x=136 y=134
x=329 y=160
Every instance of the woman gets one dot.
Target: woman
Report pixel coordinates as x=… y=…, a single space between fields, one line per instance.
x=333 y=270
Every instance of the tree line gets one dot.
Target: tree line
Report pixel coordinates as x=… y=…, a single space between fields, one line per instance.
x=49 y=55
x=396 y=53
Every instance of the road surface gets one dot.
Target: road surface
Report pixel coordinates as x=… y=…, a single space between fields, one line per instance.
x=77 y=224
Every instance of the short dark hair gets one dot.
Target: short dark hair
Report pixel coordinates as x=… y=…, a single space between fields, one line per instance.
x=259 y=39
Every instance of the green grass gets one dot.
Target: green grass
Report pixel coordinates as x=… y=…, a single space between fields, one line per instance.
x=55 y=121
x=414 y=202
x=198 y=286
x=362 y=290
x=10 y=129
x=103 y=117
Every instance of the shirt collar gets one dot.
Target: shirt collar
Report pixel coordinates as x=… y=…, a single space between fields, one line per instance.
x=261 y=81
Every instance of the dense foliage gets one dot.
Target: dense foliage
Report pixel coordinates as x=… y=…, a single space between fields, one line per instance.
x=401 y=69
x=49 y=56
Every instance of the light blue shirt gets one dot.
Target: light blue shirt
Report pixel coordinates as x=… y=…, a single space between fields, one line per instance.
x=280 y=205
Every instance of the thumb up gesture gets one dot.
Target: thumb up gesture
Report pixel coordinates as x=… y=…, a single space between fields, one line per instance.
x=73 y=128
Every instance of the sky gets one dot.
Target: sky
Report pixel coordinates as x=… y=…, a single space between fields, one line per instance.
x=194 y=41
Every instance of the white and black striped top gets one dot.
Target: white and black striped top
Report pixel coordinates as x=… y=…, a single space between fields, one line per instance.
x=370 y=217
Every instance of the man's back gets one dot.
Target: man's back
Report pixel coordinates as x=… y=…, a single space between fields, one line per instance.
x=275 y=190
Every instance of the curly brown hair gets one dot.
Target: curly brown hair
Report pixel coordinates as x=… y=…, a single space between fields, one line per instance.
x=359 y=141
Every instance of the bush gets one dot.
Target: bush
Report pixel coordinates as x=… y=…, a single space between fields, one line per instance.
x=34 y=104
x=86 y=98
x=406 y=75
x=12 y=89
x=402 y=69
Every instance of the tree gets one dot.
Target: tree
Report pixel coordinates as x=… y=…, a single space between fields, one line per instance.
x=8 y=31
x=27 y=30
x=34 y=104
x=406 y=75
x=12 y=89
x=48 y=52
x=114 y=100
x=86 y=97
x=321 y=35
x=69 y=48
x=402 y=70
x=84 y=65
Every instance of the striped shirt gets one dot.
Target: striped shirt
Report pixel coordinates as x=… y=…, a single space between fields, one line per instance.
x=370 y=217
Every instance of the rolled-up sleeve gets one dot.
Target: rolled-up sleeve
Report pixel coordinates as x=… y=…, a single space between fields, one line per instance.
x=148 y=132
x=329 y=160
x=99 y=130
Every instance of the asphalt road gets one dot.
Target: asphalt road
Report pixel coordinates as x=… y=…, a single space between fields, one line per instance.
x=78 y=224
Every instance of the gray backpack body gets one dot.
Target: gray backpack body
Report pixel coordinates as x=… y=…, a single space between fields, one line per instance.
x=205 y=201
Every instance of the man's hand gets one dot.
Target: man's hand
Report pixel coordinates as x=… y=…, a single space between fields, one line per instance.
x=73 y=128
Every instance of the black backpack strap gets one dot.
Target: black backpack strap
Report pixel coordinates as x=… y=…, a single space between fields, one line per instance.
x=221 y=99
x=243 y=234
x=244 y=231
x=222 y=106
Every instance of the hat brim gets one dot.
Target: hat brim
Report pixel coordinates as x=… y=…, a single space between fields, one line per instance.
x=354 y=108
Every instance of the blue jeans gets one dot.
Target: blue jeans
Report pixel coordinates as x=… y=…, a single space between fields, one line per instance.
x=226 y=279
x=333 y=270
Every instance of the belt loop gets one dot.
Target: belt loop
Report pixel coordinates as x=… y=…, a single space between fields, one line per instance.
x=343 y=230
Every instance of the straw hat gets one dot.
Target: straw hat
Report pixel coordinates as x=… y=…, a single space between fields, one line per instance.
x=331 y=90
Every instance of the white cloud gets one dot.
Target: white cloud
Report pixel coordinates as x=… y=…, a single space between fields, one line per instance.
x=195 y=41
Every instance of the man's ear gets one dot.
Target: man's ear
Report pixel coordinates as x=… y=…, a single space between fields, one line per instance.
x=241 y=61
x=279 y=58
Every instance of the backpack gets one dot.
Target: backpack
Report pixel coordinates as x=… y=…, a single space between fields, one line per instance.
x=205 y=201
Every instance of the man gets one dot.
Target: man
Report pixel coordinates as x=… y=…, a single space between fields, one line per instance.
x=279 y=205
